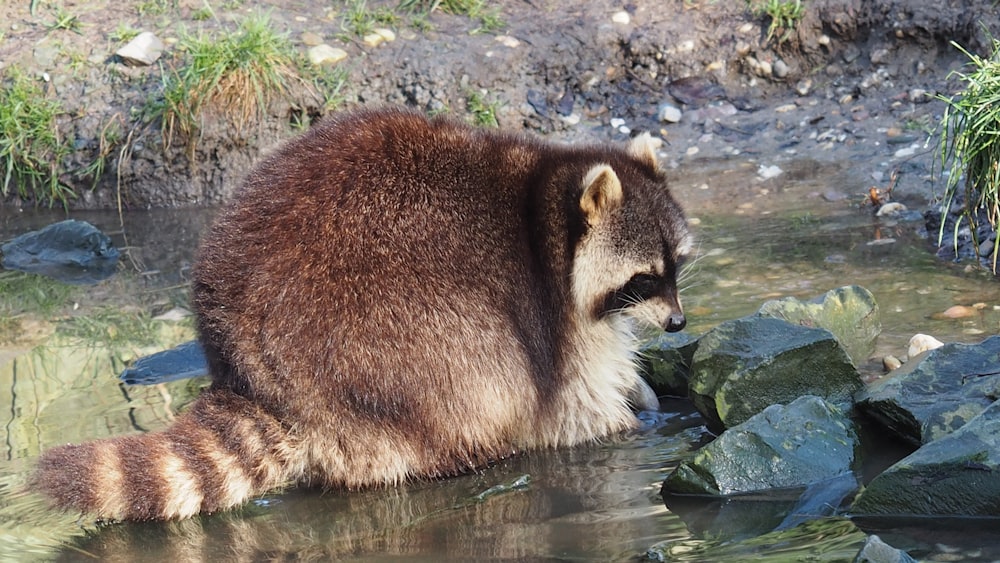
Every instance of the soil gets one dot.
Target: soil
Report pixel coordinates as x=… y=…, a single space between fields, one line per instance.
x=854 y=83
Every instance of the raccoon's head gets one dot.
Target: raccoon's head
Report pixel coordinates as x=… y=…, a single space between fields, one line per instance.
x=634 y=243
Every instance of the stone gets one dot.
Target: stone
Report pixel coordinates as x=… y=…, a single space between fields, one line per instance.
x=71 y=251
x=373 y=39
x=743 y=366
x=311 y=39
x=385 y=33
x=767 y=172
x=936 y=393
x=781 y=447
x=849 y=312
x=781 y=69
x=890 y=209
x=621 y=17
x=890 y=363
x=325 y=55
x=669 y=113
x=920 y=343
x=143 y=50
x=181 y=362
x=955 y=475
x=665 y=361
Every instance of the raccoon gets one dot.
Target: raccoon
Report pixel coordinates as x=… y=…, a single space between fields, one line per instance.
x=390 y=297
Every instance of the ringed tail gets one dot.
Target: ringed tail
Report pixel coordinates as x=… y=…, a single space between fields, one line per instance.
x=220 y=453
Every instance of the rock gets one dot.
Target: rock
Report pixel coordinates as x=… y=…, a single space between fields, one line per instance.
x=920 y=343
x=665 y=362
x=695 y=90
x=181 y=362
x=849 y=312
x=71 y=251
x=743 y=366
x=781 y=69
x=877 y=551
x=955 y=475
x=325 y=55
x=669 y=113
x=768 y=172
x=143 y=50
x=310 y=39
x=936 y=393
x=373 y=39
x=621 y=17
x=803 y=86
x=890 y=363
x=890 y=209
x=956 y=312
x=385 y=33
x=781 y=447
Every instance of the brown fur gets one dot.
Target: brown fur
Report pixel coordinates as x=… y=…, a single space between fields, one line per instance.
x=390 y=298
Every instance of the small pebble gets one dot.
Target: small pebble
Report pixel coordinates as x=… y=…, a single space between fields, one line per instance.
x=621 y=17
x=890 y=363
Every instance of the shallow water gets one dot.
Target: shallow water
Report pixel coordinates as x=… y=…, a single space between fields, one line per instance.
x=759 y=240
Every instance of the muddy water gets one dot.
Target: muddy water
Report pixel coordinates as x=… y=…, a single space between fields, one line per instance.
x=759 y=239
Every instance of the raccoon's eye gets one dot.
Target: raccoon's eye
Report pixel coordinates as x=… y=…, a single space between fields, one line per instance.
x=641 y=287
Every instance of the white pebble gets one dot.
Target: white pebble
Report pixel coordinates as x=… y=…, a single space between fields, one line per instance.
x=621 y=17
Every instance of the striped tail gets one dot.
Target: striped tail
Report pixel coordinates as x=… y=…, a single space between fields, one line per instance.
x=217 y=455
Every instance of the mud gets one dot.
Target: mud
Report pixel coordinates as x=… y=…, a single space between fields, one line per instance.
x=854 y=83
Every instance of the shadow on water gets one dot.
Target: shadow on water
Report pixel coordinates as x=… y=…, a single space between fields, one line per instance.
x=758 y=240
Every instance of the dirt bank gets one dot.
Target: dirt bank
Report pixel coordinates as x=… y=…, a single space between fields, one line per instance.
x=853 y=83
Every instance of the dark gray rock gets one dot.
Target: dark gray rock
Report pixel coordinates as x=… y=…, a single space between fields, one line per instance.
x=937 y=392
x=71 y=251
x=665 y=362
x=957 y=475
x=805 y=442
x=743 y=366
x=180 y=362
x=849 y=312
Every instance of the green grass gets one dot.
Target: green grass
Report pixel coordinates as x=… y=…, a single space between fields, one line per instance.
x=234 y=74
x=32 y=150
x=21 y=293
x=360 y=21
x=123 y=33
x=489 y=18
x=64 y=20
x=483 y=113
x=970 y=143
x=112 y=327
x=784 y=15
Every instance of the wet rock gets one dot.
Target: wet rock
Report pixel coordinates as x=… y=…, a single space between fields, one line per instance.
x=935 y=394
x=781 y=447
x=768 y=172
x=71 y=251
x=955 y=475
x=849 y=312
x=890 y=363
x=666 y=361
x=781 y=69
x=877 y=551
x=144 y=50
x=743 y=366
x=181 y=362
x=891 y=209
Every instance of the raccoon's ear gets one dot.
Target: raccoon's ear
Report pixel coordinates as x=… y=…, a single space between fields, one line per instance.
x=602 y=193
x=643 y=148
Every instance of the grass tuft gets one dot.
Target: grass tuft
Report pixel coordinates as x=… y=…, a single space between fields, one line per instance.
x=784 y=14
x=31 y=149
x=234 y=75
x=970 y=144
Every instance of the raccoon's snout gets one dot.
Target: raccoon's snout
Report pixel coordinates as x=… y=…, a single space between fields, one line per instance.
x=675 y=322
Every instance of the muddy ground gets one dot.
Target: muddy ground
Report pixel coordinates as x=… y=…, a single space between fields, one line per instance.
x=854 y=83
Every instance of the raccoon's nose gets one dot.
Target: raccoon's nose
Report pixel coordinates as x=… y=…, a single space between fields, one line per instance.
x=675 y=322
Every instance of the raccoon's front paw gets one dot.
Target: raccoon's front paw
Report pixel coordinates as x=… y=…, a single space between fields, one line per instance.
x=642 y=397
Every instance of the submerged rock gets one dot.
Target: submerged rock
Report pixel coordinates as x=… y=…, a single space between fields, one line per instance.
x=957 y=475
x=877 y=551
x=71 y=251
x=849 y=312
x=936 y=393
x=783 y=447
x=743 y=366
